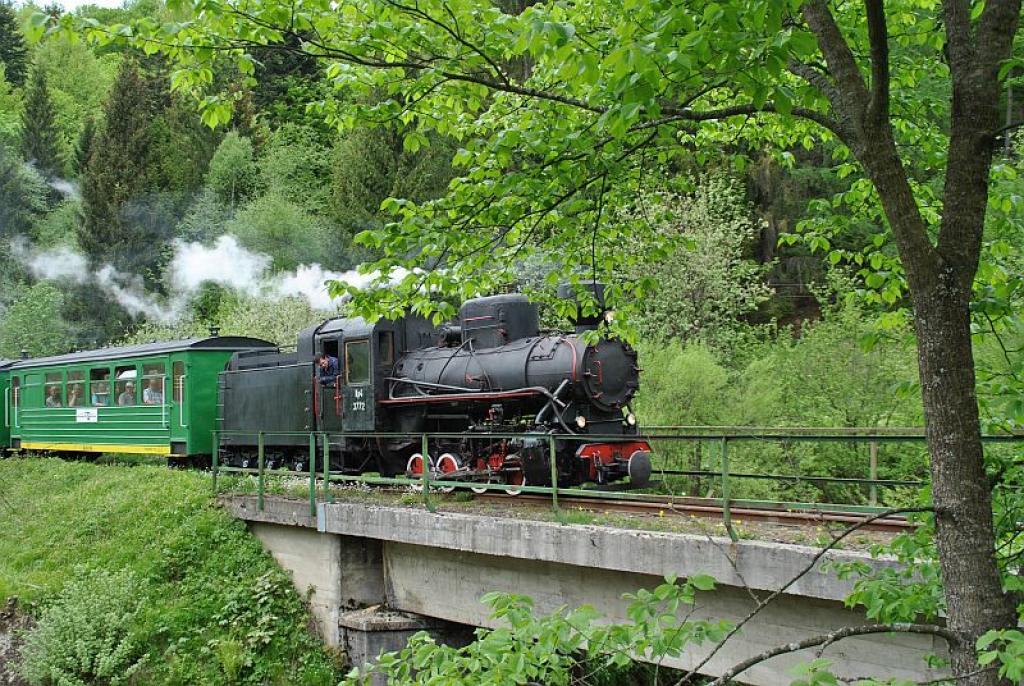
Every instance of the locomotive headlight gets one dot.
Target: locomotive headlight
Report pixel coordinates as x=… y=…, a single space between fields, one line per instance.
x=581 y=421
x=631 y=419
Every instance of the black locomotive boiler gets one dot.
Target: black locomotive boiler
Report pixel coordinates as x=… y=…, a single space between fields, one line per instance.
x=492 y=384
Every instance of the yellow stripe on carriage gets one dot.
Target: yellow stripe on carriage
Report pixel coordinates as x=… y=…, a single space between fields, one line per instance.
x=99 y=448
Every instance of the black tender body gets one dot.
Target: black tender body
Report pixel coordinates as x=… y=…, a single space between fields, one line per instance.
x=493 y=371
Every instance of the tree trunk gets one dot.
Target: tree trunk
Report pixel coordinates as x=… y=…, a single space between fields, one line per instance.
x=961 y=491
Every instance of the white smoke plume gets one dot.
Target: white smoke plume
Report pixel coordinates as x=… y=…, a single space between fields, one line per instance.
x=226 y=263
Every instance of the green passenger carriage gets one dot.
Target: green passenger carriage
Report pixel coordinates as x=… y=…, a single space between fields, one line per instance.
x=5 y=384
x=157 y=398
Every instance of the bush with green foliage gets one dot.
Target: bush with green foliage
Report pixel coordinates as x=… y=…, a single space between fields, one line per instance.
x=213 y=607
x=549 y=649
x=85 y=636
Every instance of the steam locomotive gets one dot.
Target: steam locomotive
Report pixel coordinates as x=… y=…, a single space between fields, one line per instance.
x=503 y=396
x=500 y=399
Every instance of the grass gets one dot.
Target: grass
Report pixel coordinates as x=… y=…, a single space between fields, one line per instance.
x=214 y=603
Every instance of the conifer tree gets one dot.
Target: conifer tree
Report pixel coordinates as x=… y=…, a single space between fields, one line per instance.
x=40 y=138
x=12 y=45
x=84 y=145
x=116 y=172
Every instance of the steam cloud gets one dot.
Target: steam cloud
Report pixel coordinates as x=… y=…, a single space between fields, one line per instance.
x=226 y=263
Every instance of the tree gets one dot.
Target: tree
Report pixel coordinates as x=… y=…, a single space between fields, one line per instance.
x=705 y=284
x=34 y=323
x=232 y=171
x=118 y=171
x=23 y=196
x=13 y=54
x=612 y=89
x=275 y=225
x=371 y=165
x=84 y=145
x=40 y=139
x=78 y=81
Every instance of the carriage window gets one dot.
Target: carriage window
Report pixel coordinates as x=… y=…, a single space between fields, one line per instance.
x=357 y=362
x=178 y=380
x=125 y=385
x=54 y=393
x=15 y=395
x=76 y=389
x=153 y=384
x=99 y=386
x=385 y=348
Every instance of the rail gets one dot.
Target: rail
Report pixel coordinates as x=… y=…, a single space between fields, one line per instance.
x=699 y=438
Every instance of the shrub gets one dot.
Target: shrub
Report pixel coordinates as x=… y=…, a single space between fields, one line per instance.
x=85 y=637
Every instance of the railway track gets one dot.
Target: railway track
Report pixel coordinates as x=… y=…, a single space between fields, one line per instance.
x=659 y=506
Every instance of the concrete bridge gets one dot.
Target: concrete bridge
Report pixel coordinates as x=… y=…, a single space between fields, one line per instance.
x=424 y=567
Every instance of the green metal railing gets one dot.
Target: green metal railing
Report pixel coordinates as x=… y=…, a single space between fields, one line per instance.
x=724 y=476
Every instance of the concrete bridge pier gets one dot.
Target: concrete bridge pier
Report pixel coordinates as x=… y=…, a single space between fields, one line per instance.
x=344 y=579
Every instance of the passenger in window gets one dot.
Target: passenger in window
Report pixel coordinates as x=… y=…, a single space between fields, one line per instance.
x=151 y=394
x=53 y=397
x=128 y=396
x=101 y=391
x=327 y=369
x=74 y=395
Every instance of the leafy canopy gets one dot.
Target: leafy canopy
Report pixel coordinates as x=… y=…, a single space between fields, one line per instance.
x=559 y=112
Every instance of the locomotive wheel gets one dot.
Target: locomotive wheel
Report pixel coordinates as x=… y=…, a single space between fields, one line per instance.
x=447 y=464
x=639 y=467
x=515 y=480
x=414 y=470
x=479 y=490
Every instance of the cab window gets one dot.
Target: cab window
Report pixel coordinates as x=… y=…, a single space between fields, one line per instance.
x=76 y=389
x=153 y=383
x=357 y=362
x=99 y=386
x=125 y=385
x=53 y=394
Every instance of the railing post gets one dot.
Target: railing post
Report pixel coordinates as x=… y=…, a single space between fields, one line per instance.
x=726 y=510
x=327 y=470
x=260 y=465
x=312 y=474
x=873 y=473
x=426 y=473
x=554 y=474
x=214 y=459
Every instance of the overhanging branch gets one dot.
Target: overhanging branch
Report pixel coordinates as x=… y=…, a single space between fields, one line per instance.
x=832 y=637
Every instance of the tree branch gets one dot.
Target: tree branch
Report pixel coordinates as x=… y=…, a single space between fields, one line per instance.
x=878 y=105
x=832 y=637
x=842 y=64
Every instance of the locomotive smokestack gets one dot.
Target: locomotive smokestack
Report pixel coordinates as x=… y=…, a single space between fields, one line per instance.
x=585 y=322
